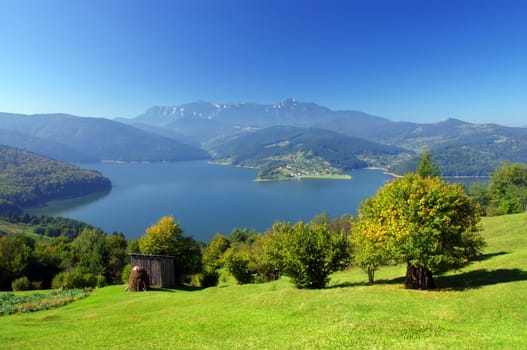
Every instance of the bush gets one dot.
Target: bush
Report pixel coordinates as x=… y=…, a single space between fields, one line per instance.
x=22 y=283
x=209 y=277
x=36 y=285
x=307 y=253
x=238 y=262
x=75 y=279
x=125 y=275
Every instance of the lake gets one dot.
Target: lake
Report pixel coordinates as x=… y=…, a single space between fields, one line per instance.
x=207 y=198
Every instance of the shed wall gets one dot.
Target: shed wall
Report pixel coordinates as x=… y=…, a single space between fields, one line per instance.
x=160 y=269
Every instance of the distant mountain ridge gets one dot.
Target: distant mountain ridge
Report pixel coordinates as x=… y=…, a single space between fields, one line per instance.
x=90 y=139
x=288 y=112
x=460 y=148
x=171 y=133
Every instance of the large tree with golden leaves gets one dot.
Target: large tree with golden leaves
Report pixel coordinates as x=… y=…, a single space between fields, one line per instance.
x=425 y=222
x=166 y=238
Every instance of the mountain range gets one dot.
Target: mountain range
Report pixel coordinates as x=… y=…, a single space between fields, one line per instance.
x=459 y=148
x=248 y=133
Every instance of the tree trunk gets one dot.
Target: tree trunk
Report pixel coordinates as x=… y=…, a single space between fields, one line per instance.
x=418 y=277
x=371 y=275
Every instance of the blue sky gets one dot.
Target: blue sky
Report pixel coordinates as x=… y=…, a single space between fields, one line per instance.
x=419 y=60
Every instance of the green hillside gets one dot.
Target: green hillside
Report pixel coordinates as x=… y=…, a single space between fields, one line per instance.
x=286 y=151
x=482 y=306
x=28 y=179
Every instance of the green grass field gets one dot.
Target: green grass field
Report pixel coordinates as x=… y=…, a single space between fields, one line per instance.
x=482 y=306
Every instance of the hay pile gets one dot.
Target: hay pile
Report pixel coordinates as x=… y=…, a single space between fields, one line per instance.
x=138 y=280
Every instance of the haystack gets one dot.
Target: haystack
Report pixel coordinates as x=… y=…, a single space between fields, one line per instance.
x=139 y=280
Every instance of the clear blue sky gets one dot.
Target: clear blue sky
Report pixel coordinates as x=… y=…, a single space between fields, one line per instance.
x=420 y=60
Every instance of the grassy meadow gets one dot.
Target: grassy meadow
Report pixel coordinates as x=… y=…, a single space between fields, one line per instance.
x=482 y=306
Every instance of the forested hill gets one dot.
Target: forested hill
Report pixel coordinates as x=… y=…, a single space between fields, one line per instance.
x=306 y=150
x=27 y=179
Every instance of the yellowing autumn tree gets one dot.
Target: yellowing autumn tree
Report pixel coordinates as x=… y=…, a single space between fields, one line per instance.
x=425 y=222
x=166 y=238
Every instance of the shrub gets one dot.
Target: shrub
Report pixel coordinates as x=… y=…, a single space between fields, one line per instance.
x=237 y=261
x=36 y=285
x=22 y=283
x=125 y=275
x=307 y=253
x=75 y=279
x=209 y=277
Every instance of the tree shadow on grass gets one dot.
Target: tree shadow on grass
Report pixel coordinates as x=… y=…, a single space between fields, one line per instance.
x=175 y=289
x=480 y=278
x=488 y=256
x=398 y=280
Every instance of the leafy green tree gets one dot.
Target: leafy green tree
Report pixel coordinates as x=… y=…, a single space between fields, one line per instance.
x=369 y=246
x=47 y=261
x=308 y=253
x=341 y=224
x=213 y=252
x=91 y=251
x=321 y=218
x=429 y=224
x=238 y=262
x=133 y=246
x=15 y=257
x=117 y=257
x=166 y=238
x=426 y=166
x=480 y=196
x=242 y=235
x=508 y=188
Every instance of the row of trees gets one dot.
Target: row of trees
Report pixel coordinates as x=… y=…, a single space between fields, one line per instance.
x=91 y=259
x=506 y=192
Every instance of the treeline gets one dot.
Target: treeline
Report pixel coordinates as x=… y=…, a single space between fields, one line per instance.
x=91 y=259
x=49 y=226
x=474 y=158
x=506 y=192
x=27 y=179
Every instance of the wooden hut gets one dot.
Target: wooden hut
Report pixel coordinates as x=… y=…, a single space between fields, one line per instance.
x=160 y=268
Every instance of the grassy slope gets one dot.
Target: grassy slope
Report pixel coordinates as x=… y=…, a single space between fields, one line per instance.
x=484 y=306
x=8 y=227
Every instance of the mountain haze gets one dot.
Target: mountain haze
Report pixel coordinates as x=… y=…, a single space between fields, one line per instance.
x=96 y=139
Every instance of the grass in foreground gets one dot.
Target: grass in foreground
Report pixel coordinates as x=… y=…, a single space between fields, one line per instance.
x=483 y=306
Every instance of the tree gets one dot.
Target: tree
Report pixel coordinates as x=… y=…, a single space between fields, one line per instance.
x=166 y=238
x=508 y=188
x=162 y=238
x=429 y=224
x=213 y=252
x=238 y=262
x=480 y=196
x=91 y=251
x=117 y=257
x=15 y=255
x=369 y=245
x=308 y=253
x=426 y=166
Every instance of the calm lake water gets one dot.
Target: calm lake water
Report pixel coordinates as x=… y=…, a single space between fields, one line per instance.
x=207 y=198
